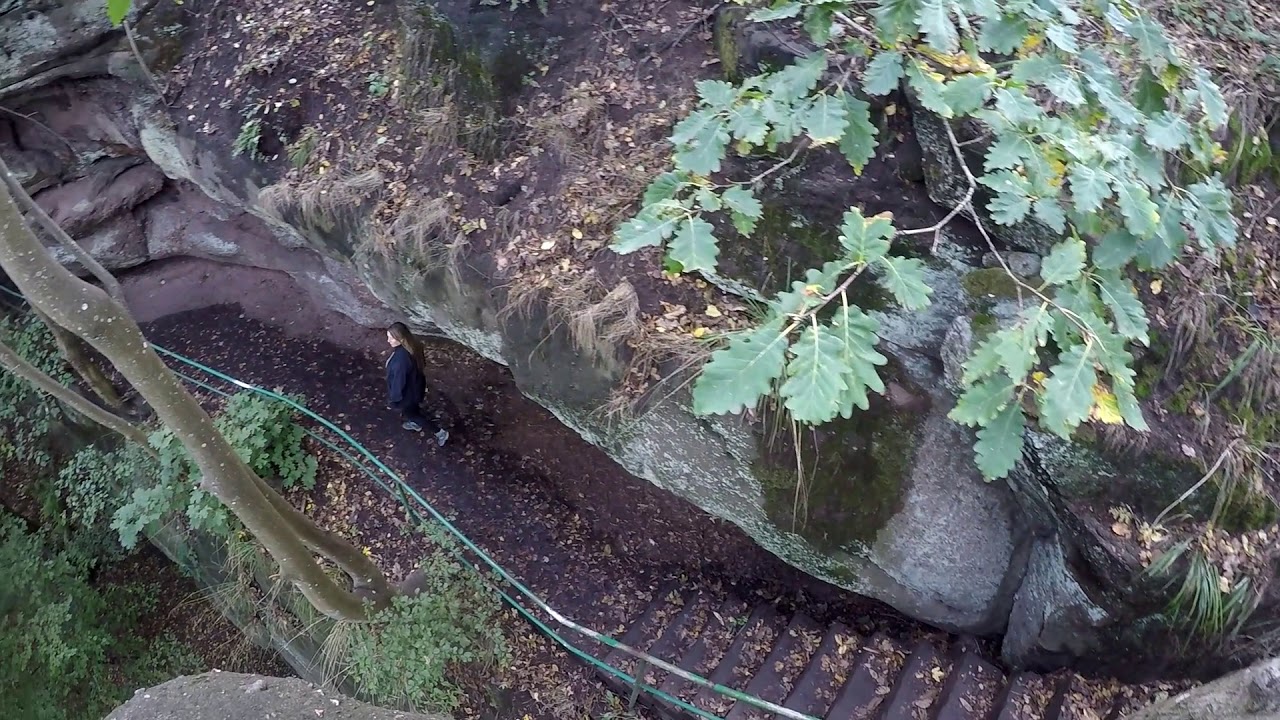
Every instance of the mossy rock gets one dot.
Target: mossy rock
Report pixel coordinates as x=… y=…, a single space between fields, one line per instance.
x=746 y=47
x=783 y=247
x=985 y=283
x=1248 y=509
x=854 y=482
x=436 y=59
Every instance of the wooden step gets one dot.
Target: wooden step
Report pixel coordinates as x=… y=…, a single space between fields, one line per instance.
x=1087 y=700
x=791 y=652
x=661 y=611
x=874 y=672
x=1027 y=697
x=972 y=689
x=676 y=638
x=919 y=685
x=639 y=628
x=711 y=635
x=747 y=653
x=816 y=689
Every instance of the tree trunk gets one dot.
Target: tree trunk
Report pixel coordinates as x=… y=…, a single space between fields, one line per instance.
x=72 y=347
x=77 y=355
x=14 y=363
x=89 y=313
x=366 y=577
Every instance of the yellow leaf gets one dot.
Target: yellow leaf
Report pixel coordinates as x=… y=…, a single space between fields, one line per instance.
x=713 y=311
x=483 y=224
x=577 y=234
x=699 y=332
x=1038 y=377
x=1105 y=406
x=1031 y=43
x=548 y=244
x=890 y=109
x=1156 y=286
x=1120 y=529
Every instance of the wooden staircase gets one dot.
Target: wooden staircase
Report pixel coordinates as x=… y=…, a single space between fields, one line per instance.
x=831 y=672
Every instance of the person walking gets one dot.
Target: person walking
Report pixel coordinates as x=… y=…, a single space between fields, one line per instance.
x=406 y=382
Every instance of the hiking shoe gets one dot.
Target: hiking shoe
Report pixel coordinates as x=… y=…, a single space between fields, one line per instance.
x=442 y=437
x=411 y=425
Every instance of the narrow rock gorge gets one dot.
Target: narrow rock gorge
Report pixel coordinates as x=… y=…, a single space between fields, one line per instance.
x=462 y=166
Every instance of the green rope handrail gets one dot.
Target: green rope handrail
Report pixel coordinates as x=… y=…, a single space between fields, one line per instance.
x=403 y=489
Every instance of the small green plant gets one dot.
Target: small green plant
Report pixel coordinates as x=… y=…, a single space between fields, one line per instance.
x=379 y=85
x=413 y=654
x=26 y=414
x=301 y=150
x=266 y=434
x=1206 y=606
x=92 y=482
x=52 y=642
x=246 y=143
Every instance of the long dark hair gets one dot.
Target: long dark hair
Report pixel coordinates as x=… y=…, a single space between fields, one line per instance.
x=409 y=342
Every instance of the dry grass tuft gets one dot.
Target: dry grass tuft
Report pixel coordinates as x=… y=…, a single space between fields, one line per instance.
x=597 y=323
x=420 y=233
x=523 y=293
x=661 y=365
x=433 y=81
x=324 y=201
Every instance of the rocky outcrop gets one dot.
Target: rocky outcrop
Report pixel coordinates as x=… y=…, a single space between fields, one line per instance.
x=897 y=510
x=218 y=695
x=1249 y=694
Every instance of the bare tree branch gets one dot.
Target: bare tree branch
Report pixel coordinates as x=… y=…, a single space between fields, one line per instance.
x=14 y=363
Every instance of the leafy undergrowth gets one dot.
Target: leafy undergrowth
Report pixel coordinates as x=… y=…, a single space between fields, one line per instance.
x=86 y=624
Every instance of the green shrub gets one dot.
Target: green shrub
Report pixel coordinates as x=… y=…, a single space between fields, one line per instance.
x=26 y=414
x=412 y=654
x=52 y=642
x=263 y=433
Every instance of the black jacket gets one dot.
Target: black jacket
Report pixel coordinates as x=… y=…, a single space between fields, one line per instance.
x=405 y=383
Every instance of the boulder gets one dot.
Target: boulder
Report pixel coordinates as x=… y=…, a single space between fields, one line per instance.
x=217 y=695
x=117 y=245
x=109 y=188
x=1249 y=694
x=944 y=175
x=38 y=37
